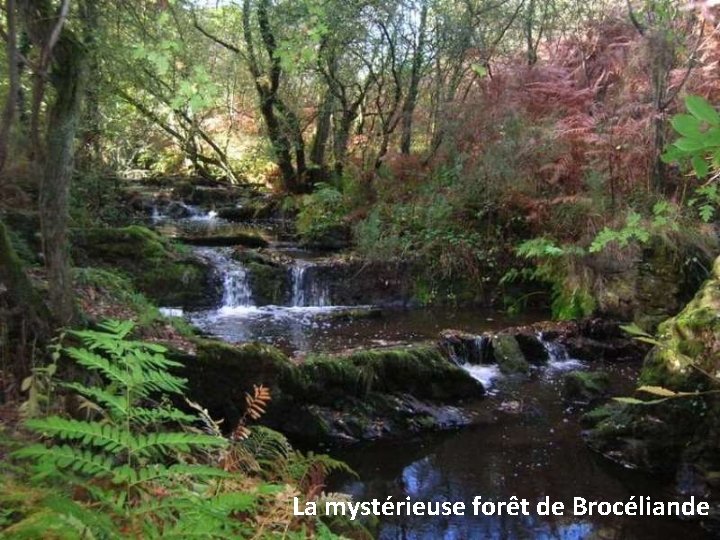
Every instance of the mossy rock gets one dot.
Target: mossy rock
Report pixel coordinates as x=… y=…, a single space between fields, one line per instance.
x=508 y=355
x=268 y=278
x=421 y=371
x=532 y=348
x=660 y=435
x=585 y=386
x=158 y=269
x=220 y=374
x=649 y=437
x=691 y=338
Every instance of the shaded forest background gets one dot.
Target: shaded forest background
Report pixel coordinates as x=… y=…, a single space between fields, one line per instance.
x=445 y=133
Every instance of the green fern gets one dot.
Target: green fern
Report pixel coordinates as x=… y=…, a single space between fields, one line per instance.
x=144 y=470
x=126 y=453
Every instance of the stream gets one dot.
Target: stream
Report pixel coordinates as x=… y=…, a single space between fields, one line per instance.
x=524 y=442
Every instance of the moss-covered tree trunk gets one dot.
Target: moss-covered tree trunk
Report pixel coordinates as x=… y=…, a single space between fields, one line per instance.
x=66 y=77
x=22 y=313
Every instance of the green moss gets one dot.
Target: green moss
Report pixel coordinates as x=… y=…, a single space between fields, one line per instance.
x=326 y=380
x=121 y=289
x=156 y=267
x=421 y=371
x=509 y=355
x=599 y=414
x=269 y=283
x=220 y=374
x=655 y=436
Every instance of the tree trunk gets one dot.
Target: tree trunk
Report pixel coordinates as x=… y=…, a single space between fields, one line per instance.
x=322 y=131
x=342 y=138
x=67 y=78
x=8 y=113
x=412 y=95
x=90 y=137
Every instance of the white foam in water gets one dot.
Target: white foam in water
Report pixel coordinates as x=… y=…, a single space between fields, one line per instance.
x=559 y=359
x=307 y=292
x=171 y=312
x=236 y=288
x=197 y=215
x=485 y=373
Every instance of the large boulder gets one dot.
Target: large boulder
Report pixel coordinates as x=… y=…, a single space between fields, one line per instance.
x=673 y=434
x=364 y=395
x=268 y=277
x=513 y=350
x=164 y=273
x=221 y=374
x=508 y=355
x=649 y=283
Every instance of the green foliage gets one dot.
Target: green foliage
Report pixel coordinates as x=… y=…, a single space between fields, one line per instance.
x=554 y=266
x=636 y=229
x=320 y=211
x=697 y=149
x=126 y=452
x=444 y=228
x=130 y=464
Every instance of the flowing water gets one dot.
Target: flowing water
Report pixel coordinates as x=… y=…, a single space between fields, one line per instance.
x=524 y=442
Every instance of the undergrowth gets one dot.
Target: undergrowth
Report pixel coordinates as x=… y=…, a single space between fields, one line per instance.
x=129 y=463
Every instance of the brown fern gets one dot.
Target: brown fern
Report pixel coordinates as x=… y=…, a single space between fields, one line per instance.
x=255 y=406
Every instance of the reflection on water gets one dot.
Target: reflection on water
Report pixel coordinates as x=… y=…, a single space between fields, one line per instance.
x=323 y=329
x=533 y=453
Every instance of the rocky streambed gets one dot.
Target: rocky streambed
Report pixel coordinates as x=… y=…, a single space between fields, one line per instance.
x=434 y=403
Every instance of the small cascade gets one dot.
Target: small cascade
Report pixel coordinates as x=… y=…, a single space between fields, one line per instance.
x=307 y=291
x=181 y=211
x=469 y=350
x=473 y=354
x=236 y=287
x=558 y=356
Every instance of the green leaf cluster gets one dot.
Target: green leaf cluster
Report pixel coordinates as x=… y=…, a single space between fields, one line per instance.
x=699 y=141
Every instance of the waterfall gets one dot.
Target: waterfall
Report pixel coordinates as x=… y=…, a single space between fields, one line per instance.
x=236 y=287
x=307 y=291
x=558 y=357
x=473 y=354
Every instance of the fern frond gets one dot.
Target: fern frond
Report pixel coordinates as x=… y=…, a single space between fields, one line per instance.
x=161 y=414
x=95 y=362
x=180 y=442
x=49 y=459
x=105 y=436
x=116 y=404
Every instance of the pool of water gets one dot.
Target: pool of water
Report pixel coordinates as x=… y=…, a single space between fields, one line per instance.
x=298 y=330
x=525 y=443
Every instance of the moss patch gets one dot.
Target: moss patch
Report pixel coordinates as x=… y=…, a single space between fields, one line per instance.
x=509 y=355
x=157 y=268
x=664 y=434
